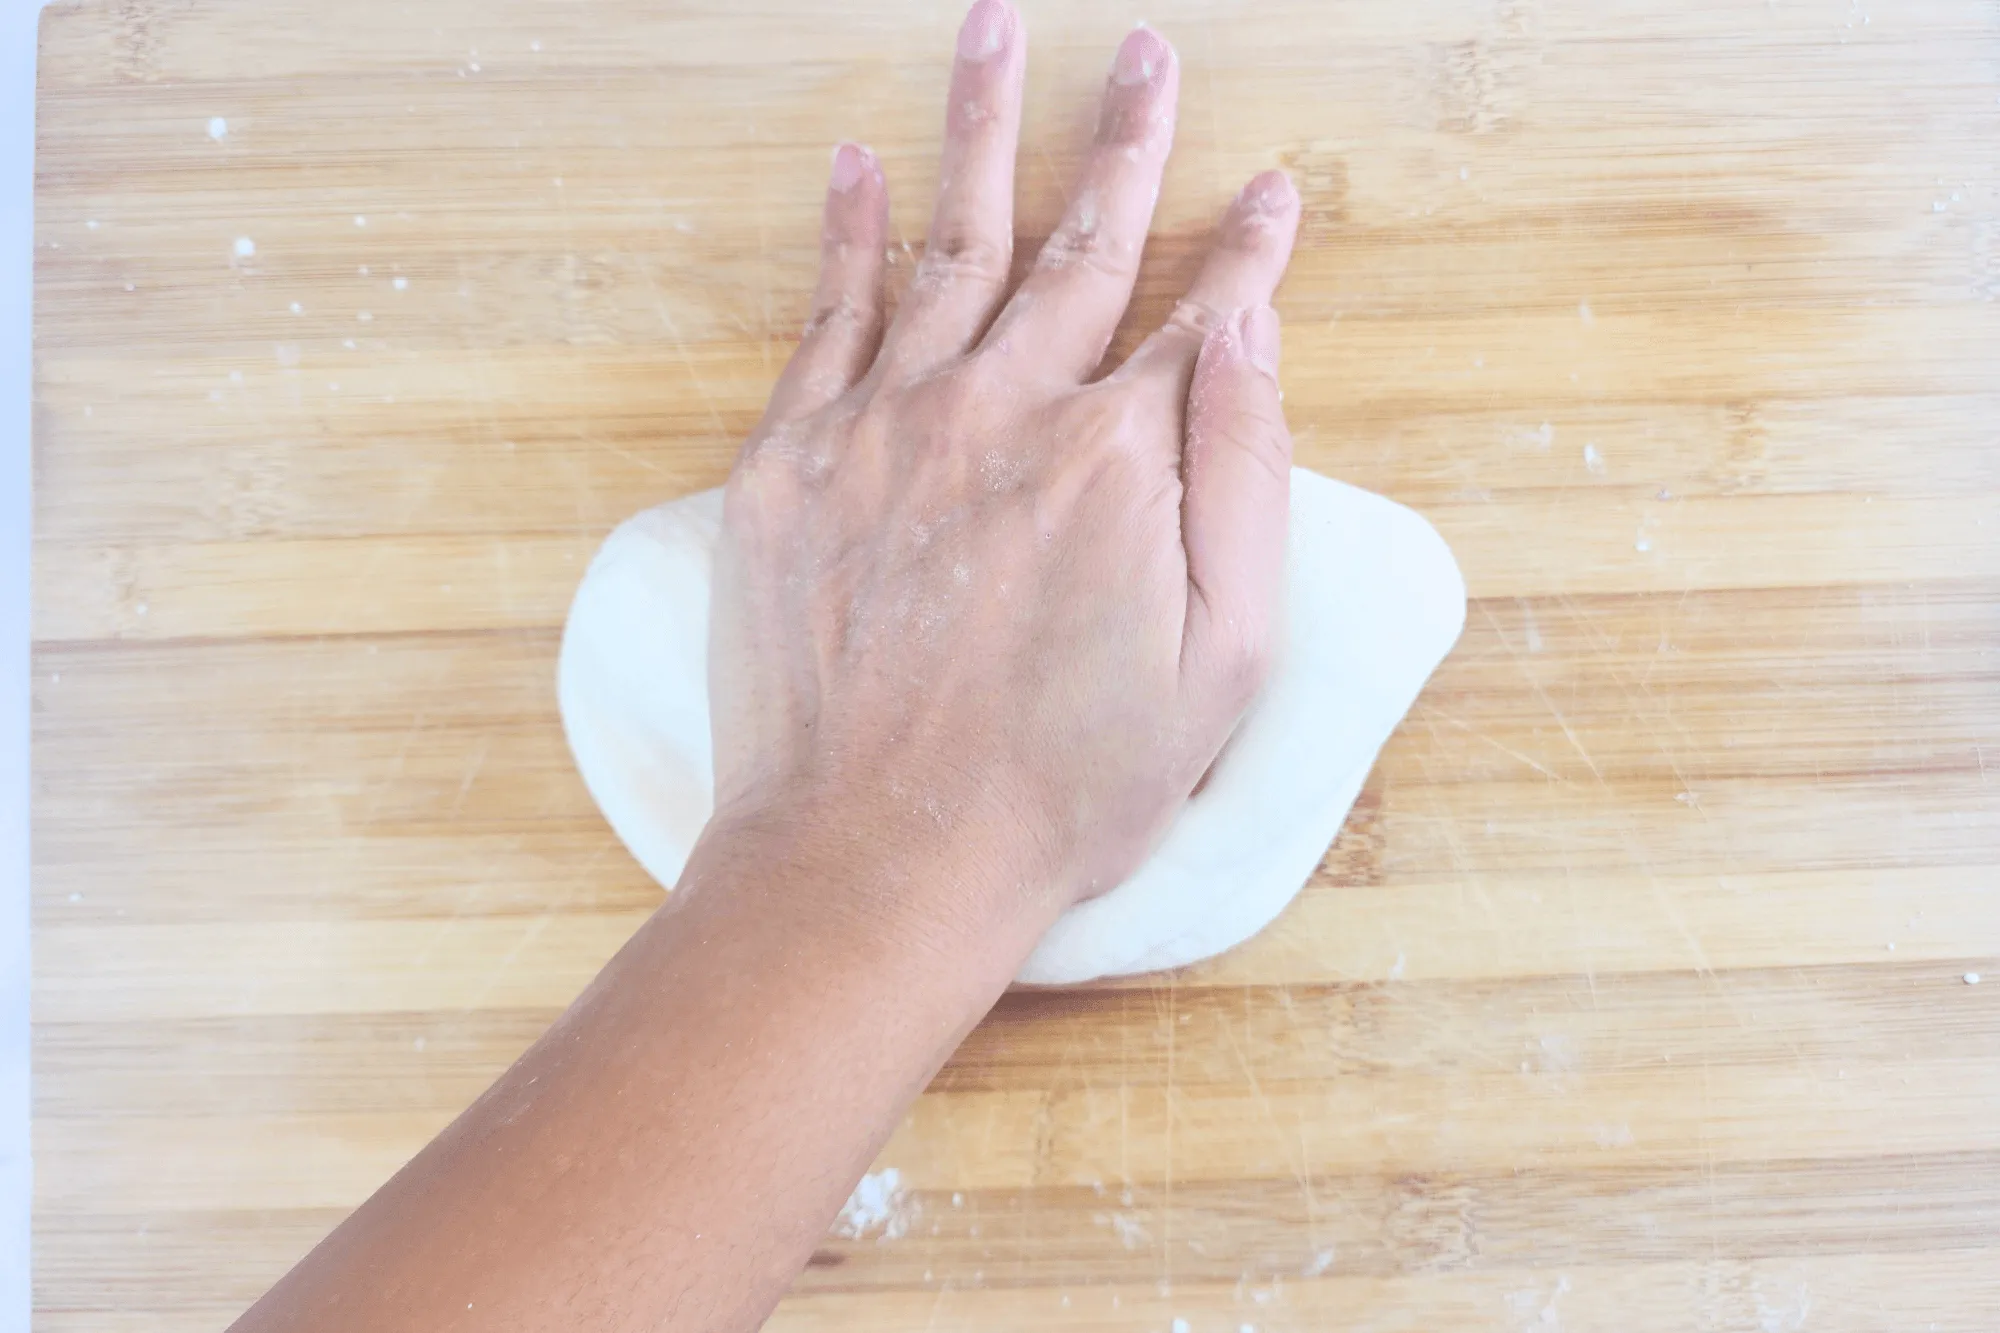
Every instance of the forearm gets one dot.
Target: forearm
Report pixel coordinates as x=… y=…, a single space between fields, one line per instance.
x=670 y=1152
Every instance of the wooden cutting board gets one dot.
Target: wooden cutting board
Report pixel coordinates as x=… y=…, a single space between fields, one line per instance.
x=1634 y=996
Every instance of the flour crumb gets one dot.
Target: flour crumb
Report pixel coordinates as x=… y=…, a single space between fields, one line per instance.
x=1593 y=460
x=1319 y=1263
x=1130 y=1231
x=1396 y=968
x=360 y=221
x=245 y=247
x=1181 y=1326
x=1584 y=313
x=1539 y=438
x=401 y=284
x=218 y=128
x=1972 y=978
x=879 y=1204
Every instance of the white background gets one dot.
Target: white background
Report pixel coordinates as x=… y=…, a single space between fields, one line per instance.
x=17 y=148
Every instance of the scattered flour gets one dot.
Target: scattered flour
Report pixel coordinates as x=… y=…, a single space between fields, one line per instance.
x=1782 y=1310
x=245 y=247
x=879 y=1205
x=1130 y=1231
x=218 y=128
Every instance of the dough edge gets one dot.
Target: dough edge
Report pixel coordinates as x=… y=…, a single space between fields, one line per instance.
x=1363 y=635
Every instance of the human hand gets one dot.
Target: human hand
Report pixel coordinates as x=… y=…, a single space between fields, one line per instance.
x=965 y=593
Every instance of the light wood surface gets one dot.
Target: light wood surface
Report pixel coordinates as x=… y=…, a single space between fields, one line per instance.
x=1634 y=997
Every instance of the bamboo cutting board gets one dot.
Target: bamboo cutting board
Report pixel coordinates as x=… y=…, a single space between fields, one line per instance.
x=1635 y=996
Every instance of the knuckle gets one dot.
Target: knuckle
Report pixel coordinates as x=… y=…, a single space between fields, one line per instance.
x=1195 y=317
x=1124 y=421
x=1076 y=245
x=1110 y=418
x=840 y=315
x=769 y=484
x=961 y=394
x=962 y=253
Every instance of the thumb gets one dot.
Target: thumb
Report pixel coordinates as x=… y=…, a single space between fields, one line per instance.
x=1236 y=474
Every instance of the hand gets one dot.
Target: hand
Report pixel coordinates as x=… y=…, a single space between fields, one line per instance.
x=964 y=590
x=969 y=606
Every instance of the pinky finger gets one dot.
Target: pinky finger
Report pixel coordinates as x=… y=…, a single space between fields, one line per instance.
x=845 y=327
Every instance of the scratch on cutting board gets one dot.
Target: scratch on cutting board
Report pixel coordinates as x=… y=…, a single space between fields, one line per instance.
x=1300 y=1168
x=499 y=970
x=1505 y=749
x=1542 y=694
x=681 y=350
x=472 y=772
x=763 y=215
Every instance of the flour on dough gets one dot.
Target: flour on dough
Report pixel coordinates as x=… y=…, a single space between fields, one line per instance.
x=1374 y=602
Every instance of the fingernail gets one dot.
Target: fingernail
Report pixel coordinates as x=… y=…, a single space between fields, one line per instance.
x=850 y=164
x=1257 y=330
x=984 y=31
x=1268 y=192
x=1140 y=57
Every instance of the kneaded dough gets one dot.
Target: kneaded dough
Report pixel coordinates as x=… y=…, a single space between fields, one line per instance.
x=1374 y=602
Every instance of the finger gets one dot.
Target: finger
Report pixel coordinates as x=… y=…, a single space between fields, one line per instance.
x=1252 y=247
x=845 y=326
x=1069 y=305
x=963 y=271
x=1236 y=476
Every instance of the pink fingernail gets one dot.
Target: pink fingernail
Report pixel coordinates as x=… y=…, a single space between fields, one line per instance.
x=1268 y=192
x=850 y=164
x=984 y=31
x=1140 y=56
x=1257 y=330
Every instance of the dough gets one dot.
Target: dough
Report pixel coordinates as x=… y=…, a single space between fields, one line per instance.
x=1374 y=602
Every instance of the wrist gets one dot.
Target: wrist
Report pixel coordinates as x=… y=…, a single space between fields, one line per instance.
x=959 y=884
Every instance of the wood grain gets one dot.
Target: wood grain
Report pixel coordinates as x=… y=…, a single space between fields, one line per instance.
x=1634 y=995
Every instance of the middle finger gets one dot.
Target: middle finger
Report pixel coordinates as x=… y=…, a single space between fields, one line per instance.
x=970 y=248
x=1068 y=307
